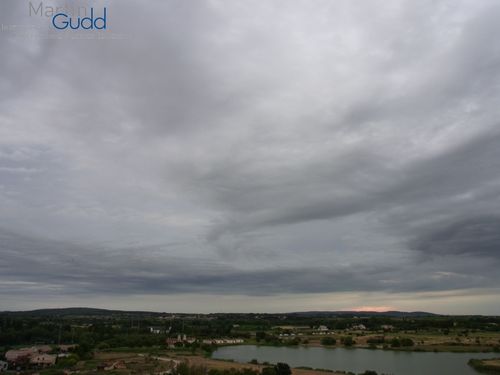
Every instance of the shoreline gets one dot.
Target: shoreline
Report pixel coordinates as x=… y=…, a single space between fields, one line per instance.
x=439 y=348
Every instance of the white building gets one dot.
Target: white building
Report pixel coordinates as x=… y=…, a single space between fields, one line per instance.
x=223 y=341
x=43 y=360
x=358 y=327
x=159 y=330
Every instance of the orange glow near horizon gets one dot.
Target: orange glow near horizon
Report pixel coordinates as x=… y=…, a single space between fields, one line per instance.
x=372 y=308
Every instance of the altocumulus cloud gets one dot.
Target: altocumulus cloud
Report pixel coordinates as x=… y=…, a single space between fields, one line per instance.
x=234 y=148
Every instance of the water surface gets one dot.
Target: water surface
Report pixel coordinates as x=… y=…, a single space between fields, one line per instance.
x=357 y=360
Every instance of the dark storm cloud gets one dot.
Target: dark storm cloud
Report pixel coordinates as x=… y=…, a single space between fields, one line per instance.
x=240 y=148
x=437 y=179
x=472 y=236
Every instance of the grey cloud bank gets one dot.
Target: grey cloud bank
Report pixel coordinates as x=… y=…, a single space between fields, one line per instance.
x=323 y=154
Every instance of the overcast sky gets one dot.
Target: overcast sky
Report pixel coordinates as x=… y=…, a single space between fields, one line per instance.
x=230 y=155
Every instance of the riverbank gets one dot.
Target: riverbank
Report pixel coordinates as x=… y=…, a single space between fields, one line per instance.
x=488 y=365
x=220 y=364
x=425 y=341
x=436 y=348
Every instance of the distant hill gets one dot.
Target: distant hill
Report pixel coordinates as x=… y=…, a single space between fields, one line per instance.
x=78 y=311
x=86 y=311
x=393 y=314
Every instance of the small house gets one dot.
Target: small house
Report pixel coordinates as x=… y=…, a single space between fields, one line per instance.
x=43 y=360
x=19 y=356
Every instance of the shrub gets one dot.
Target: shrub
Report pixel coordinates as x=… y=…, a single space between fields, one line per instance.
x=348 y=341
x=328 y=341
x=283 y=369
x=407 y=342
x=395 y=343
x=69 y=361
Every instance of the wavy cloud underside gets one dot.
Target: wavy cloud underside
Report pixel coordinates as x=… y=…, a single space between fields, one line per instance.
x=234 y=148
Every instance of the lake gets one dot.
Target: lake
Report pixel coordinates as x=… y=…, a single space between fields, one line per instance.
x=357 y=360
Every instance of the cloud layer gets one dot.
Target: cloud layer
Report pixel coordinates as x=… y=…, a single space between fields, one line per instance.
x=241 y=149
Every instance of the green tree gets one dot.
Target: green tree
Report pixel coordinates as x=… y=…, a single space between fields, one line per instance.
x=328 y=341
x=395 y=343
x=348 y=341
x=260 y=335
x=283 y=369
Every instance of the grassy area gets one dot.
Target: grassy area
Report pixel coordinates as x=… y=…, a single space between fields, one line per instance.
x=143 y=349
x=88 y=365
x=433 y=341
